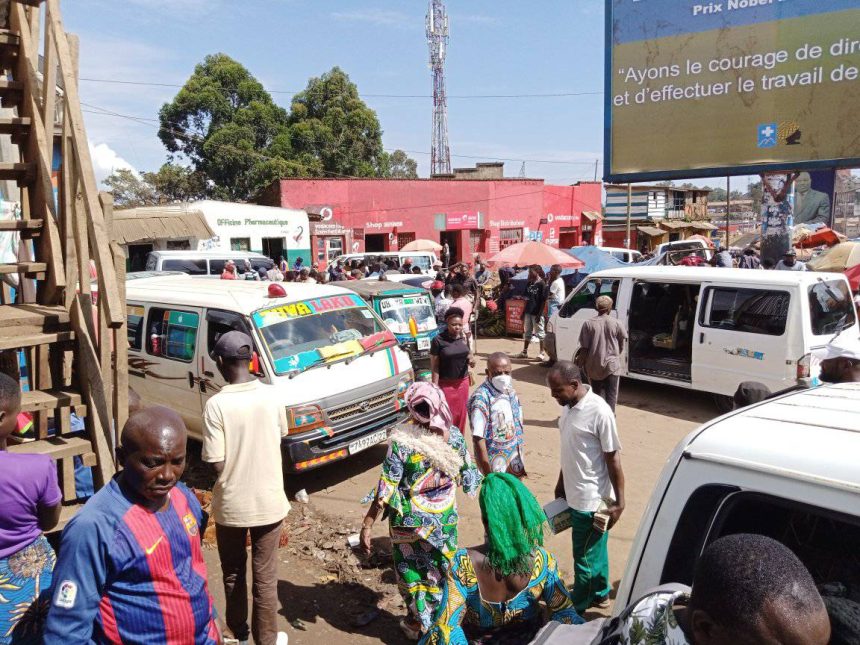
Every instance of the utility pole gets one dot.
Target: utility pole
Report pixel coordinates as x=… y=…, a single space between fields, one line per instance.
x=728 y=207
x=595 y=169
x=437 y=39
x=629 y=199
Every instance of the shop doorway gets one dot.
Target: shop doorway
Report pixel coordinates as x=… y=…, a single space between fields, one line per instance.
x=567 y=238
x=375 y=242
x=274 y=247
x=453 y=240
x=137 y=257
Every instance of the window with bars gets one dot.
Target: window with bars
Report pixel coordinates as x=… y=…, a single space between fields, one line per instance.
x=508 y=236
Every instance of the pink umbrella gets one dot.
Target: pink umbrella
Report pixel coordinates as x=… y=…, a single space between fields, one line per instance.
x=535 y=253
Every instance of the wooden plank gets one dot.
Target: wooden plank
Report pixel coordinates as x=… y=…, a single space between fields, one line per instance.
x=51 y=400
x=14 y=125
x=105 y=337
x=95 y=216
x=55 y=447
x=120 y=343
x=32 y=340
x=33 y=315
x=68 y=221
x=22 y=226
x=27 y=268
x=49 y=100
x=98 y=422
x=67 y=468
x=22 y=172
x=66 y=513
x=39 y=149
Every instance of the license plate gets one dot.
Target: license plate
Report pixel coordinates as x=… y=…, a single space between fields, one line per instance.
x=367 y=442
x=423 y=343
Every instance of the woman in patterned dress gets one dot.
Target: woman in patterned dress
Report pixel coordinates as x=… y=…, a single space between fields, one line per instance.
x=493 y=592
x=427 y=459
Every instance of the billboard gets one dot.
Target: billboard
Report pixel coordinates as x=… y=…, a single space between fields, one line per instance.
x=700 y=88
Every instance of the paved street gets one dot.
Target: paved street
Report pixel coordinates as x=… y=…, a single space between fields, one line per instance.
x=651 y=419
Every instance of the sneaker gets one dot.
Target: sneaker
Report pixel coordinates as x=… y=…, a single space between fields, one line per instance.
x=602 y=603
x=543 y=357
x=523 y=355
x=283 y=638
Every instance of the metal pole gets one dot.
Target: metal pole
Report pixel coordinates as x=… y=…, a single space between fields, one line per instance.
x=629 y=198
x=728 y=207
x=595 y=169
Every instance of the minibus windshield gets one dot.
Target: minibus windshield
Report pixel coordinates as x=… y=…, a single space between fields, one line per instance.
x=319 y=331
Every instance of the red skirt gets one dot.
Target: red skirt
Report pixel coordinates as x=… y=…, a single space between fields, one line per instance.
x=457 y=395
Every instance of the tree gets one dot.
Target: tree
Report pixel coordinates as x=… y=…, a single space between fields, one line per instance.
x=226 y=124
x=128 y=189
x=398 y=165
x=333 y=126
x=717 y=194
x=755 y=192
x=172 y=183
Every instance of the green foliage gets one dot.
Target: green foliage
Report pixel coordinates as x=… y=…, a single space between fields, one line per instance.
x=169 y=184
x=232 y=132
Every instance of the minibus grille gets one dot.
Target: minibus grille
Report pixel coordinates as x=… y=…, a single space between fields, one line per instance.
x=344 y=413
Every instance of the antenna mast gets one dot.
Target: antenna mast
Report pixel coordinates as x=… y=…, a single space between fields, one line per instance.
x=437 y=39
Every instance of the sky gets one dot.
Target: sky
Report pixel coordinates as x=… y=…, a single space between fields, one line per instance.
x=497 y=47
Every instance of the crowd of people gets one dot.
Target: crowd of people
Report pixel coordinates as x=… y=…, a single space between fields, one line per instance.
x=130 y=567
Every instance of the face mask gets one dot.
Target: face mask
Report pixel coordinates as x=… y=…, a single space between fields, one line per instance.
x=502 y=382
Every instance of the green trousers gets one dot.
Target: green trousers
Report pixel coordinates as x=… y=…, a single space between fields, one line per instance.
x=590 y=562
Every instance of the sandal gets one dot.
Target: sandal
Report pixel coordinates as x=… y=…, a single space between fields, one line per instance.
x=410 y=632
x=523 y=355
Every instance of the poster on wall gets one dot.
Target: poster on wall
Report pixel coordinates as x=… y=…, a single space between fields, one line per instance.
x=700 y=88
x=776 y=216
x=813 y=196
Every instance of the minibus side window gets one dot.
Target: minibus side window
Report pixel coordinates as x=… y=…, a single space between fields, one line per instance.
x=754 y=311
x=134 y=324
x=172 y=334
x=586 y=296
x=189 y=266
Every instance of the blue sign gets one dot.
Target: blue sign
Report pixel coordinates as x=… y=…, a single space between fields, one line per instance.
x=767 y=135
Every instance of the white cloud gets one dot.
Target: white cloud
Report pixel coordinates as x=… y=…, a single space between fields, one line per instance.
x=106 y=161
x=381 y=17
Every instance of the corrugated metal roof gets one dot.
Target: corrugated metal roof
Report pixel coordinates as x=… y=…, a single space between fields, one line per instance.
x=133 y=225
x=674 y=223
x=651 y=231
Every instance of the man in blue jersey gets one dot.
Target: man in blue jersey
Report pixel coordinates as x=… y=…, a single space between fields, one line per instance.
x=131 y=569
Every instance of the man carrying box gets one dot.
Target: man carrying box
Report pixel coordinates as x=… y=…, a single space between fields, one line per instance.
x=590 y=480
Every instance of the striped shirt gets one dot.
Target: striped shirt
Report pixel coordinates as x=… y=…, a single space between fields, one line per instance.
x=127 y=575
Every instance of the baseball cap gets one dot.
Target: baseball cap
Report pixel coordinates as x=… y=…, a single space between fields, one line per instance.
x=839 y=350
x=790 y=252
x=234 y=344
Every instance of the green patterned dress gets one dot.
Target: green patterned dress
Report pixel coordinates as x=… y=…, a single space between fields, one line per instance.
x=421 y=506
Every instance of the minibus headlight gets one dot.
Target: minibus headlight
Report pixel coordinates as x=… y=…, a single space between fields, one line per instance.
x=302 y=418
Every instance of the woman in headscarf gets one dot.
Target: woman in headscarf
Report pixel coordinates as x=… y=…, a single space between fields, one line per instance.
x=450 y=360
x=493 y=591
x=427 y=459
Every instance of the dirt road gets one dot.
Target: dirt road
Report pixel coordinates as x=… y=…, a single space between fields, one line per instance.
x=327 y=597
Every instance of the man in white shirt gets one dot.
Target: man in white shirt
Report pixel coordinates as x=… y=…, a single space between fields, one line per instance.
x=556 y=290
x=590 y=480
x=243 y=427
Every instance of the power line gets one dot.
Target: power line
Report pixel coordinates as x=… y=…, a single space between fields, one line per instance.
x=147 y=120
x=541 y=95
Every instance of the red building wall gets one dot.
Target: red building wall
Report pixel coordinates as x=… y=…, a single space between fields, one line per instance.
x=381 y=211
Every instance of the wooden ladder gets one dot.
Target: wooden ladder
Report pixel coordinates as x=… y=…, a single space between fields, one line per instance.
x=68 y=326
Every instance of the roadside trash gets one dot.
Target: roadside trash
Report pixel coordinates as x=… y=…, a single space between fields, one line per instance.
x=353 y=540
x=302 y=496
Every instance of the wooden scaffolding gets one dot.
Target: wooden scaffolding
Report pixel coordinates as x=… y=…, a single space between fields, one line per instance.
x=63 y=331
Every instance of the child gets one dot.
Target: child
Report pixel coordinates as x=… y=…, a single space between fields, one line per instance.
x=29 y=504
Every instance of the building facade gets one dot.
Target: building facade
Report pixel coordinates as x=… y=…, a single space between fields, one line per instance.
x=474 y=216
x=657 y=214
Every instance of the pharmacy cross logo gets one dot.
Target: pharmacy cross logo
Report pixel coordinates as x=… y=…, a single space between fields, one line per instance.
x=767 y=135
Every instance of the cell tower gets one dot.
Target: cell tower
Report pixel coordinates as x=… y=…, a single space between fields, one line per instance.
x=437 y=38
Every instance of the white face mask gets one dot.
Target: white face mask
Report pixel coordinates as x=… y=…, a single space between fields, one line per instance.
x=502 y=382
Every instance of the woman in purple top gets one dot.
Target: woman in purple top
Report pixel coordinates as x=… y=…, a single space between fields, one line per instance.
x=29 y=504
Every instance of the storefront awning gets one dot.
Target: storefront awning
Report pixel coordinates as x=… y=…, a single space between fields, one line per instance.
x=139 y=226
x=651 y=231
x=674 y=224
x=703 y=226
x=592 y=216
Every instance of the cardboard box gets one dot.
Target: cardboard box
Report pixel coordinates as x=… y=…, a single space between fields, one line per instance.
x=558 y=515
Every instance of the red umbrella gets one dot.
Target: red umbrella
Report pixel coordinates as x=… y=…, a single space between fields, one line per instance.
x=853 y=275
x=535 y=253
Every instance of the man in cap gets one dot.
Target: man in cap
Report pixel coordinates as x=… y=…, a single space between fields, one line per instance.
x=601 y=346
x=441 y=301
x=840 y=363
x=131 y=567
x=243 y=427
x=407 y=266
x=789 y=262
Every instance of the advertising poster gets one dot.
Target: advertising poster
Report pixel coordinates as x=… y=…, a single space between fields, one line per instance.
x=776 y=216
x=702 y=87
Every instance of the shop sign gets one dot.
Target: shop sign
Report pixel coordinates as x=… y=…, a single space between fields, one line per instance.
x=328 y=228
x=461 y=221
